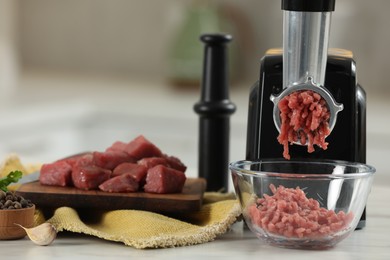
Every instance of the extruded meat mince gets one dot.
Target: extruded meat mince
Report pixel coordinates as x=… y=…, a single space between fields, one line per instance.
x=304 y=118
x=288 y=212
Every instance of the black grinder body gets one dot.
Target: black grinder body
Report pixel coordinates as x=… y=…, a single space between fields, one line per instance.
x=347 y=140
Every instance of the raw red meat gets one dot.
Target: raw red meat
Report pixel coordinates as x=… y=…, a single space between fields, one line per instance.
x=76 y=158
x=110 y=159
x=304 y=118
x=120 y=183
x=117 y=146
x=89 y=177
x=288 y=212
x=89 y=170
x=153 y=161
x=140 y=148
x=84 y=160
x=175 y=163
x=161 y=179
x=137 y=171
x=57 y=174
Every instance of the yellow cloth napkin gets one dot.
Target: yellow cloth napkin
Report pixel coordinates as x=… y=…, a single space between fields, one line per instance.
x=141 y=229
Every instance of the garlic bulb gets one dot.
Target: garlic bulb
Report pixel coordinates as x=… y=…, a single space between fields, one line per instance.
x=41 y=235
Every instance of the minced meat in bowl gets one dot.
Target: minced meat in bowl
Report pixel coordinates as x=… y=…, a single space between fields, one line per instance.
x=302 y=204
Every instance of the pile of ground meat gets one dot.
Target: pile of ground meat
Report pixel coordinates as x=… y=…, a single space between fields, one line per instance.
x=304 y=118
x=288 y=212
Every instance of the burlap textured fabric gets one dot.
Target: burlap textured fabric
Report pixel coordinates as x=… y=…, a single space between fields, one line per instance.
x=141 y=229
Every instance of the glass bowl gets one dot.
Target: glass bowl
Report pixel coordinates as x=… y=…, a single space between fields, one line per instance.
x=302 y=204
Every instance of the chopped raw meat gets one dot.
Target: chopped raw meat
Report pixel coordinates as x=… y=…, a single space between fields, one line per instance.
x=84 y=160
x=74 y=159
x=110 y=159
x=288 y=212
x=153 y=161
x=56 y=174
x=304 y=118
x=140 y=148
x=89 y=177
x=120 y=183
x=137 y=171
x=161 y=179
x=175 y=163
x=117 y=146
x=134 y=159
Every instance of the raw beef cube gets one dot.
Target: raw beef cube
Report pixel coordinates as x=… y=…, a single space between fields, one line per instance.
x=120 y=183
x=71 y=159
x=153 y=161
x=137 y=171
x=89 y=177
x=161 y=179
x=117 y=146
x=80 y=160
x=175 y=163
x=109 y=160
x=56 y=174
x=140 y=148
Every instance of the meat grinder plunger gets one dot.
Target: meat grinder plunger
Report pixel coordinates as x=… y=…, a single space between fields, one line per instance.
x=305 y=49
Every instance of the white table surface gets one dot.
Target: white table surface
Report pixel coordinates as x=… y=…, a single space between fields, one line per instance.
x=373 y=242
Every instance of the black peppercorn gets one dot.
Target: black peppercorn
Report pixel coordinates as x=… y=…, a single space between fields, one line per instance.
x=10 y=200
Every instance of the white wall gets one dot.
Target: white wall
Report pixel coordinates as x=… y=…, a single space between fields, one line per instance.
x=9 y=63
x=133 y=36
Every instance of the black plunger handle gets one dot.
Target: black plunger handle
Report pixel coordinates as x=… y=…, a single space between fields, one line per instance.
x=309 y=5
x=214 y=110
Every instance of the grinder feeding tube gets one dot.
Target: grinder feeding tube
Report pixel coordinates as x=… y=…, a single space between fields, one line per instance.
x=305 y=112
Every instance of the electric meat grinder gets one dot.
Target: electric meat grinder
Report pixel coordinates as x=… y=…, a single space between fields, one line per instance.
x=306 y=63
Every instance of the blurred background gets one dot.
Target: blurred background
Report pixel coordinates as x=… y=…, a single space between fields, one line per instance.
x=143 y=38
x=79 y=58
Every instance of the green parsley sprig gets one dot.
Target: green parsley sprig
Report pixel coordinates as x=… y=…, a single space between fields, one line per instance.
x=12 y=177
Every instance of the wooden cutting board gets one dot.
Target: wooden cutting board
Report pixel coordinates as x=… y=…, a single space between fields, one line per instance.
x=53 y=197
